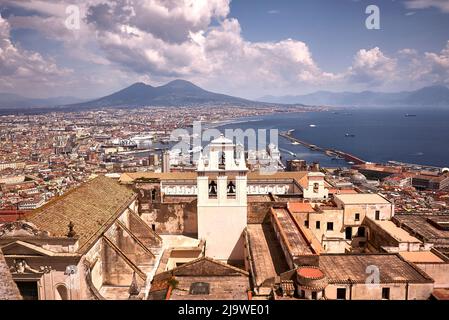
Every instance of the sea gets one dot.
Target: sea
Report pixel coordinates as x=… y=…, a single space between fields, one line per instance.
x=418 y=135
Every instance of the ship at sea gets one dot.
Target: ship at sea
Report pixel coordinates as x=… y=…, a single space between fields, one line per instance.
x=410 y=115
x=350 y=135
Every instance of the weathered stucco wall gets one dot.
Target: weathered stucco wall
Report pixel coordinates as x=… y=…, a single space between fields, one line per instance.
x=421 y=291
x=173 y=218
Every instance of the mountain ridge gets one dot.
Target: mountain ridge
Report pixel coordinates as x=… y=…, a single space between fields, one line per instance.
x=174 y=93
x=437 y=95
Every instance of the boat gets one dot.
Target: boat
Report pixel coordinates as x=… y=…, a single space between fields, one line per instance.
x=295 y=143
x=312 y=125
x=349 y=135
x=351 y=163
x=410 y=115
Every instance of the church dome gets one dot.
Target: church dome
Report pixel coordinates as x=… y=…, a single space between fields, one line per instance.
x=222 y=140
x=358 y=178
x=311 y=278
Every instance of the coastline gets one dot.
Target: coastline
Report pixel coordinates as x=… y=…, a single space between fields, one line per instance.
x=400 y=146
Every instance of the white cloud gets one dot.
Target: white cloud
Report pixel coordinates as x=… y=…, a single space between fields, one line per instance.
x=436 y=66
x=158 y=40
x=372 y=67
x=21 y=68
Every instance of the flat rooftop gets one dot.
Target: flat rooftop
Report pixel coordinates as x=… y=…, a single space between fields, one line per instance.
x=397 y=233
x=392 y=268
x=179 y=241
x=421 y=257
x=362 y=198
x=294 y=239
x=300 y=207
x=425 y=227
x=259 y=198
x=299 y=176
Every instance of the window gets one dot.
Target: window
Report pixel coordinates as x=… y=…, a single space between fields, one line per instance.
x=316 y=187
x=317 y=225
x=314 y=295
x=386 y=293
x=153 y=227
x=213 y=189
x=199 y=288
x=357 y=217
x=377 y=215
x=231 y=188
x=28 y=290
x=348 y=233
x=306 y=223
x=361 y=232
x=330 y=226
x=341 y=293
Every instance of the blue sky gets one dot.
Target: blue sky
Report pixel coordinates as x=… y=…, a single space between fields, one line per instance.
x=248 y=48
x=335 y=30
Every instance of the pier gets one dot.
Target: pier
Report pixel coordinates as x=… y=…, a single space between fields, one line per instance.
x=329 y=152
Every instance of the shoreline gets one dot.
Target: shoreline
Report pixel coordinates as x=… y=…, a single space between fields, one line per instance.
x=333 y=149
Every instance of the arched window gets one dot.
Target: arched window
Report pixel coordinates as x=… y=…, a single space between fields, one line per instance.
x=231 y=188
x=61 y=292
x=212 y=188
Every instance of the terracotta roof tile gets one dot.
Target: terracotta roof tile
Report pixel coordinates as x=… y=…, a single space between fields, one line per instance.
x=91 y=207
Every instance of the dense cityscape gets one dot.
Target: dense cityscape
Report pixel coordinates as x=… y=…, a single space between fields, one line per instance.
x=45 y=155
x=224 y=158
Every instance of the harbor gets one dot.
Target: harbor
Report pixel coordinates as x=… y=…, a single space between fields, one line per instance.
x=333 y=153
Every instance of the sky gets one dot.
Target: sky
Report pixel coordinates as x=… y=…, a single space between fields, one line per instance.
x=246 y=48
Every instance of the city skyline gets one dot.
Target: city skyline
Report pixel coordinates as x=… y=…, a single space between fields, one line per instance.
x=242 y=48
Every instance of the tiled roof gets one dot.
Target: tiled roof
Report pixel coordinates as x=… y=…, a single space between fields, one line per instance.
x=8 y=288
x=300 y=207
x=345 y=268
x=91 y=207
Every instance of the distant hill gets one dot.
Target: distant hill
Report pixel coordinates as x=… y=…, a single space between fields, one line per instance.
x=174 y=93
x=14 y=101
x=428 y=96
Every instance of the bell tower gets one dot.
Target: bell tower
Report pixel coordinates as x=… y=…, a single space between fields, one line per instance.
x=222 y=201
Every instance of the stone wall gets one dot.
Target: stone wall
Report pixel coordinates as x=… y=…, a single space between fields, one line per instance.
x=173 y=218
x=398 y=291
x=259 y=212
x=438 y=272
